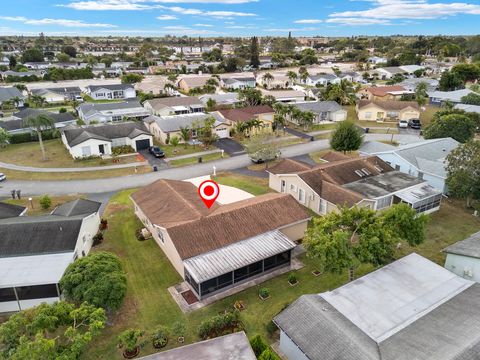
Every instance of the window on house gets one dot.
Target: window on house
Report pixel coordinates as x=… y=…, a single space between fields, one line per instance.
x=301 y=195
x=293 y=187
x=397 y=167
x=420 y=175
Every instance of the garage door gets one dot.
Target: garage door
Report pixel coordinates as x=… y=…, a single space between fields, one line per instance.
x=222 y=133
x=142 y=144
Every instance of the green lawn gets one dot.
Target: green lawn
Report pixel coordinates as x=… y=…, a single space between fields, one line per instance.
x=29 y=154
x=34 y=208
x=181 y=149
x=194 y=160
x=427 y=115
x=255 y=186
x=88 y=98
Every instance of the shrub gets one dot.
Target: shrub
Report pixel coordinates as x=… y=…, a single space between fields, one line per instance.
x=45 y=202
x=292 y=278
x=219 y=325
x=268 y=354
x=21 y=138
x=160 y=337
x=258 y=345
x=98 y=279
x=97 y=239
x=130 y=340
x=271 y=328
x=264 y=293
x=121 y=150
x=62 y=110
x=103 y=224
x=179 y=328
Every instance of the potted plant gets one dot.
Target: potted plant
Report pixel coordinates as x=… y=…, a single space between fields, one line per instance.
x=239 y=305
x=130 y=341
x=103 y=224
x=264 y=293
x=159 y=337
x=292 y=279
x=179 y=329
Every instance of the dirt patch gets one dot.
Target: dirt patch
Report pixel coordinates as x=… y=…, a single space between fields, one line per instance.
x=189 y=297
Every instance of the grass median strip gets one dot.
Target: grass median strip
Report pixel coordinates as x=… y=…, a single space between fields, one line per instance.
x=194 y=159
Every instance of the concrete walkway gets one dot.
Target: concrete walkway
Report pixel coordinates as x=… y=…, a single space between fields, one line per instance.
x=193 y=155
x=29 y=188
x=77 y=169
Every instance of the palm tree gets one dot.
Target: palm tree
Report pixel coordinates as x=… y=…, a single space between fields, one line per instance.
x=304 y=76
x=307 y=118
x=292 y=75
x=38 y=124
x=185 y=135
x=267 y=79
x=174 y=141
x=16 y=100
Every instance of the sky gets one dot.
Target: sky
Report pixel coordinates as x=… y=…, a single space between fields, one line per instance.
x=239 y=17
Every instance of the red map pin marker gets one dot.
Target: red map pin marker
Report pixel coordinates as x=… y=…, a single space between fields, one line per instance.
x=208 y=192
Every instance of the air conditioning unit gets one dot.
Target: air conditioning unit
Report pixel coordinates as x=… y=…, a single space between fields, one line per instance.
x=467 y=272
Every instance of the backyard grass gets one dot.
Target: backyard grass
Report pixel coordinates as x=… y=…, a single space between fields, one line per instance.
x=29 y=154
x=426 y=116
x=252 y=185
x=148 y=303
x=194 y=160
x=72 y=175
x=34 y=208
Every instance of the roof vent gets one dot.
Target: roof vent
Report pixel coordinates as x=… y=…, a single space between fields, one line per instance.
x=359 y=173
x=366 y=172
x=378 y=168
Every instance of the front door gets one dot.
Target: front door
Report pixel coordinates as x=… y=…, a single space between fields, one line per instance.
x=101 y=149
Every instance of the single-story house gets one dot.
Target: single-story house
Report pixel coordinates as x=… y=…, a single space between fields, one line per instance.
x=20 y=74
x=387 y=110
x=377 y=60
x=239 y=83
x=321 y=79
x=15 y=123
x=111 y=92
x=424 y=159
x=394 y=92
x=410 y=69
x=236 y=345
x=463 y=258
x=468 y=108
x=324 y=110
x=279 y=81
x=286 y=96
x=262 y=113
x=386 y=73
x=409 y=309
x=154 y=85
x=227 y=99
x=352 y=76
x=38 y=65
x=215 y=249
x=10 y=93
x=11 y=210
x=98 y=140
x=365 y=182
x=35 y=251
x=166 y=127
x=174 y=105
x=111 y=112
x=58 y=95
x=411 y=84
x=440 y=97
x=188 y=83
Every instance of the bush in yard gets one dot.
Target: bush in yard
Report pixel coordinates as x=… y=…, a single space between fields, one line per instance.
x=103 y=224
x=219 y=325
x=122 y=150
x=268 y=354
x=159 y=337
x=62 y=110
x=264 y=293
x=20 y=138
x=97 y=239
x=45 y=202
x=130 y=341
x=346 y=137
x=258 y=345
x=271 y=328
x=98 y=279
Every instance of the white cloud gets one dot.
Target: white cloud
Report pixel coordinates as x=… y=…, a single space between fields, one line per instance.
x=167 y=17
x=185 y=11
x=358 y=21
x=58 y=22
x=410 y=9
x=100 y=5
x=203 y=25
x=308 y=21
x=290 y=29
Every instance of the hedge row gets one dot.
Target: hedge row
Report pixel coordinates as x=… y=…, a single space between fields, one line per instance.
x=30 y=137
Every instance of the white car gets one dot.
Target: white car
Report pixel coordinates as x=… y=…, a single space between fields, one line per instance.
x=403 y=124
x=3 y=177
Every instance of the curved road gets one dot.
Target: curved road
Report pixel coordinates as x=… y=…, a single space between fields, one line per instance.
x=181 y=173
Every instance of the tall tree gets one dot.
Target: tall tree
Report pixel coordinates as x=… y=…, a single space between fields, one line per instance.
x=250 y=97
x=39 y=123
x=463 y=172
x=267 y=79
x=254 y=53
x=457 y=126
x=451 y=81
x=292 y=75
x=4 y=137
x=185 y=134
x=346 y=137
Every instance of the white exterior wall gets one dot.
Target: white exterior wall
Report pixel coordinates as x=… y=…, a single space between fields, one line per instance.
x=77 y=150
x=463 y=266
x=53 y=98
x=288 y=347
x=338 y=116
x=88 y=230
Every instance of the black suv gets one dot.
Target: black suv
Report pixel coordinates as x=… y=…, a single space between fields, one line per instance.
x=156 y=151
x=415 y=124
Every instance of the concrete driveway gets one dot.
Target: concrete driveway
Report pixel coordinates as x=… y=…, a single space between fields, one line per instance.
x=152 y=160
x=230 y=146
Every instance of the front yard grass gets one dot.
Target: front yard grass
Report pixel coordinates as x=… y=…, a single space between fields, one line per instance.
x=426 y=116
x=182 y=149
x=194 y=159
x=253 y=185
x=29 y=154
x=148 y=303
x=72 y=175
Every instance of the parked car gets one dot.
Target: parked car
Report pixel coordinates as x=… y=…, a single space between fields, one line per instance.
x=156 y=151
x=3 y=177
x=79 y=98
x=403 y=124
x=415 y=124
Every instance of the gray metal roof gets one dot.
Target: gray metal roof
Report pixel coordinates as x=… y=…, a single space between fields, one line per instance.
x=319 y=106
x=322 y=76
x=227 y=98
x=10 y=210
x=383 y=184
x=77 y=207
x=228 y=258
x=373 y=147
x=111 y=87
x=175 y=122
x=468 y=108
x=229 y=347
x=410 y=309
x=454 y=96
x=132 y=104
x=469 y=247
